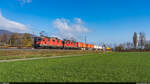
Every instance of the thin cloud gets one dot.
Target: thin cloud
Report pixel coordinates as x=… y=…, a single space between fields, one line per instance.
x=78 y=20
x=22 y=2
x=10 y=25
x=70 y=30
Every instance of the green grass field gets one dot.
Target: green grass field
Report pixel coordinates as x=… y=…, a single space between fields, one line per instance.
x=108 y=67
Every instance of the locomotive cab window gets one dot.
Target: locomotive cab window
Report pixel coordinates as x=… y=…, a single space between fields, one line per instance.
x=39 y=39
x=57 y=41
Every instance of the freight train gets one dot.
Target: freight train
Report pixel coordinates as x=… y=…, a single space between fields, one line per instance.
x=56 y=43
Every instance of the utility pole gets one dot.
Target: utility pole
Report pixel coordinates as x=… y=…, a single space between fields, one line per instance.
x=85 y=39
x=33 y=39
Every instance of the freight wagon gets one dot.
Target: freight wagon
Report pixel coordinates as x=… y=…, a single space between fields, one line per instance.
x=56 y=43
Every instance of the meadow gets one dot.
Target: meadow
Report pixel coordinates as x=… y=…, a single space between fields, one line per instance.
x=96 y=67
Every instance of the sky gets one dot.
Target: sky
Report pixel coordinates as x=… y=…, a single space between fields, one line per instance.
x=105 y=21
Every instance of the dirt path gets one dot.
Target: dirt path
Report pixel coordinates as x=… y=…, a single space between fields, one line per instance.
x=39 y=58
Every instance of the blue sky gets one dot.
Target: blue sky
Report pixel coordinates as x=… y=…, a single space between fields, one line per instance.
x=108 y=21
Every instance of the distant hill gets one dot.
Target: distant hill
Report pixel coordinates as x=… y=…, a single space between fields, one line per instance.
x=9 y=32
x=5 y=31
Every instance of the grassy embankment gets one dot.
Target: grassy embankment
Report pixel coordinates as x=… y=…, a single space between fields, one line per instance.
x=21 y=54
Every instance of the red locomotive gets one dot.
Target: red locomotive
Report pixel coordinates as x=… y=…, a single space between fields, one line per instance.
x=55 y=43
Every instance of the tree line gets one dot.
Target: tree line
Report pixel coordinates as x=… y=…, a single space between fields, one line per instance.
x=16 y=40
x=139 y=43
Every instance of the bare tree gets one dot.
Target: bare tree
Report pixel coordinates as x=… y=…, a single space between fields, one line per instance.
x=27 y=40
x=128 y=45
x=14 y=39
x=142 y=39
x=4 y=38
x=147 y=45
x=135 y=40
x=119 y=48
